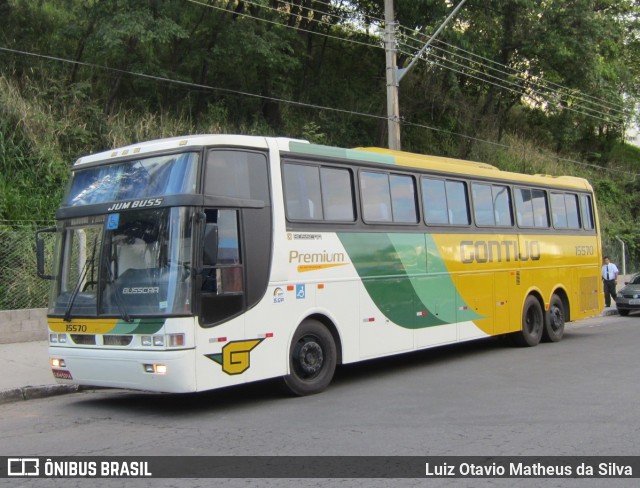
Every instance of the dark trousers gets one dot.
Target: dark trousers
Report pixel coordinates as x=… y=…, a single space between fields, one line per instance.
x=609 y=291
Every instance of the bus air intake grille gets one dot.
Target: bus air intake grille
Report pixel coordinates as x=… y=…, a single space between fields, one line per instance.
x=83 y=339
x=117 y=340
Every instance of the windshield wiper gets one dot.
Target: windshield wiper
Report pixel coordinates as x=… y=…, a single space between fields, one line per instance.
x=123 y=311
x=81 y=278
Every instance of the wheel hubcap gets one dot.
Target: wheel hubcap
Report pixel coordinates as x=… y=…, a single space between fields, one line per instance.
x=556 y=318
x=310 y=357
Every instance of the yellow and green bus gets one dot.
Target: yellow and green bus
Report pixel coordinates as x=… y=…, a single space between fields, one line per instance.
x=200 y=262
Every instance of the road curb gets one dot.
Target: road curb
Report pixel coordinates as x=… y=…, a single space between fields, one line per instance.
x=609 y=311
x=33 y=392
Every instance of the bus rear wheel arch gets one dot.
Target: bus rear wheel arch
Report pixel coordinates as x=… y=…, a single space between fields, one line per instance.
x=312 y=359
x=533 y=323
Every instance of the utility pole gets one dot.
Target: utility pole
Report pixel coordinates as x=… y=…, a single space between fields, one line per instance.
x=393 y=106
x=394 y=75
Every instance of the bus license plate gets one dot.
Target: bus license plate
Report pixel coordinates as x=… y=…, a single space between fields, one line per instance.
x=635 y=301
x=62 y=374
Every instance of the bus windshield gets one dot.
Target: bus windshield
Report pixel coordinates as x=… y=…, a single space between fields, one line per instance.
x=134 y=263
x=143 y=178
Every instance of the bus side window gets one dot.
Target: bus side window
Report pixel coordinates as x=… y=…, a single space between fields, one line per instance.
x=587 y=212
x=559 y=211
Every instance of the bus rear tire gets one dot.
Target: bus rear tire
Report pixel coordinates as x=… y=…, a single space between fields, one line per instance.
x=555 y=319
x=312 y=359
x=532 y=324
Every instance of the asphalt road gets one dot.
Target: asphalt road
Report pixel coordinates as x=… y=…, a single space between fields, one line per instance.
x=578 y=397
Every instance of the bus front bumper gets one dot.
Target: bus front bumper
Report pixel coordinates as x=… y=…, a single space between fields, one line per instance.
x=161 y=371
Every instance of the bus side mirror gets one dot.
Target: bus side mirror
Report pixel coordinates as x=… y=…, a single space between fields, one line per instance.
x=210 y=245
x=40 y=251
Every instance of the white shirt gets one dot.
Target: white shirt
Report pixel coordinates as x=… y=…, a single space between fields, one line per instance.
x=612 y=269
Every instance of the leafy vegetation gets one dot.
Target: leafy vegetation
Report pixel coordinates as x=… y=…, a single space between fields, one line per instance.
x=549 y=83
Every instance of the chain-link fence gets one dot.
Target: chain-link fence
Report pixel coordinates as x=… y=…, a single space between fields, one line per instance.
x=20 y=286
x=627 y=263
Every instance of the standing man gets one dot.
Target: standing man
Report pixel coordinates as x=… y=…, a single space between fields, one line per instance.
x=609 y=279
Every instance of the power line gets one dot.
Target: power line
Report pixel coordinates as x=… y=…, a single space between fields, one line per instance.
x=580 y=109
x=525 y=86
x=275 y=99
x=282 y=25
x=307 y=9
x=601 y=115
x=605 y=103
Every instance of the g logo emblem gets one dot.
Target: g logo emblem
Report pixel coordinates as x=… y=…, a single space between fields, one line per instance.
x=235 y=357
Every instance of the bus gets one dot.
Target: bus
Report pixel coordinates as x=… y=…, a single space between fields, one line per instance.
x=200 y=262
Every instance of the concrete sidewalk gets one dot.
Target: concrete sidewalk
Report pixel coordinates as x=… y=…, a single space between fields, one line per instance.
x=27 y=373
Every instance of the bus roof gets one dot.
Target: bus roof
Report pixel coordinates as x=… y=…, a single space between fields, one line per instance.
x=364 y=154
x=437 y=163
x=474 y=168
x=171 y=143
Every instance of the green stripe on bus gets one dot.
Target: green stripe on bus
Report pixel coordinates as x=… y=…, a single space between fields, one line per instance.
x=340 y=153
x=138 y=326
x=393 y=270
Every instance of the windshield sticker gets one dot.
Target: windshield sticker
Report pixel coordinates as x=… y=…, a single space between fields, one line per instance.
x=112 y=221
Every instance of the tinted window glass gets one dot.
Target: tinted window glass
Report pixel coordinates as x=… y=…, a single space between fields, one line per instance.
x=302 y=190
x=337 y=197
x=445 y=202
x=403 y=198
x=502 y=205
x=237 y=174
x=571 y=203
x=492 y=204
x=587 y=212
x=540 y=208
x=559 y=211
x=434 y=196
x=483 y=204
x=524 y=207
x=376 y=197
x=457 y=203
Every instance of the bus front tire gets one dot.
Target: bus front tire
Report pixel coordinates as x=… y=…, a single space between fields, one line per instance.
x=532 y=324
x=312 y=359
x=555 y=319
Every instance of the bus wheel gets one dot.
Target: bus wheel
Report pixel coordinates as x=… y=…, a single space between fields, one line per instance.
x=532 y=323
x=312 y=359
x=554 y=323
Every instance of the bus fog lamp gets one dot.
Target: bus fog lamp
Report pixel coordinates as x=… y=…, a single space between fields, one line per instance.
x=155 y=368
x=57 y=363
